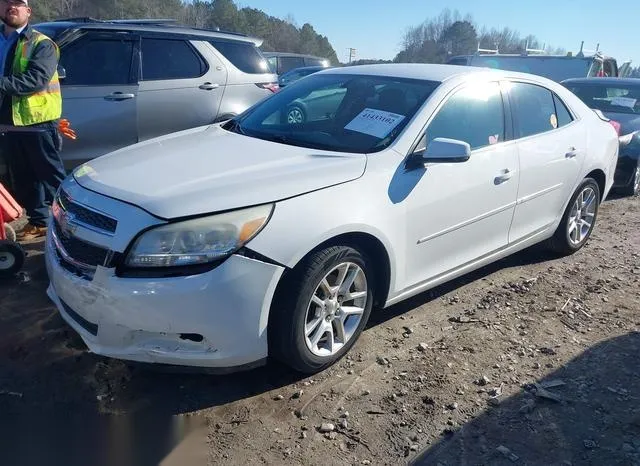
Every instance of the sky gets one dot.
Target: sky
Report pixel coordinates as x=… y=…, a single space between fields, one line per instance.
x=375 y=27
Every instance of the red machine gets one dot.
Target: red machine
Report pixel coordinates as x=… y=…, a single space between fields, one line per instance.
x=11 y=253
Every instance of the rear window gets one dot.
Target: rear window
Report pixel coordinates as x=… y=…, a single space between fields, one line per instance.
x=554 y=68
x=608 y=98
x=289 y=63
x=315 y=62
x=243 y=55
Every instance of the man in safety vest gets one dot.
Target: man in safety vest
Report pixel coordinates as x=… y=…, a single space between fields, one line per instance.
x=30 y=99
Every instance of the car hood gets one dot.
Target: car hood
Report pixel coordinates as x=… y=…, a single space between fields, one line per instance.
x=628 y=122
x=209 y=169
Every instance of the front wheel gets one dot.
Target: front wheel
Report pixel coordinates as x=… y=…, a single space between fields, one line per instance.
x=578 y=220
x=11 y=258
x=324 y=307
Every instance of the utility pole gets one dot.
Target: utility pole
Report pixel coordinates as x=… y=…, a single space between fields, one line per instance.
x=352 y=54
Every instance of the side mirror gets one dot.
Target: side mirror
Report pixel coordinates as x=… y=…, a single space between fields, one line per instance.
x=443 y=150
x=62 y=73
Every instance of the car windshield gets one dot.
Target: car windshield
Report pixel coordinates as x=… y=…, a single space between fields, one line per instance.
x=614 y=98
x=337 y=112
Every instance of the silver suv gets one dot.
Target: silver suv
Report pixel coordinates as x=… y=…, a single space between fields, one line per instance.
x=129 y=81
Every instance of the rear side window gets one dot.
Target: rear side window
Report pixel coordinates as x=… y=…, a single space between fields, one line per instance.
x=474 y=115
x=97 y=62
x=243 y=55
x=563 y=114
x=533 y=108
x=164 y=59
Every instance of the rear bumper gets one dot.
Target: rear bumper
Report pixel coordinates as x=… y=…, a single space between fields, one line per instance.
x=624 y=171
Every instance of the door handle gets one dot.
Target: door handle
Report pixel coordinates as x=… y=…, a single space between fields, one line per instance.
x=573 y=152
x=209 y=86
x=505 y=175
x=116 y=96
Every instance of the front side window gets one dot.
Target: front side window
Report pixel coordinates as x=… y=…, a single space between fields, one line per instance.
x=97 y=62
x=533 y=108
x=339 y=112
x=164 y=59
x=474 y=115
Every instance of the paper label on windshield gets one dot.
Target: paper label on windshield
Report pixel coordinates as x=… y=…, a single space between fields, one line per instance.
x=375 y=123
x=624 y=102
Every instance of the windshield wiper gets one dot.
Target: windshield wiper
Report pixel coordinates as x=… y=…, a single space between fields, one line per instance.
x=284 y=139
x=234 y=125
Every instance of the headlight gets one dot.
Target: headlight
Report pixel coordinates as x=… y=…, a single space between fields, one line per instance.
x=198 y=241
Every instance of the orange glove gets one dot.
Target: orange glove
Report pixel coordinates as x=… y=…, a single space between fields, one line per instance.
x=65 y=128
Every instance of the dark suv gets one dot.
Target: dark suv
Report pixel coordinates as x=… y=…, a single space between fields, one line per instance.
x=129 y=81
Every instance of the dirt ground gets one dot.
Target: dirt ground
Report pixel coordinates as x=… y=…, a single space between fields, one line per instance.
x=533 y=360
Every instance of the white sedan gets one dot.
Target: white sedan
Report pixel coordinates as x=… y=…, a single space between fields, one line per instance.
x=264 y=237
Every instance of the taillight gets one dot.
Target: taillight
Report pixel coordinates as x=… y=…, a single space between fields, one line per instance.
x=273 y=87
x=617 y=126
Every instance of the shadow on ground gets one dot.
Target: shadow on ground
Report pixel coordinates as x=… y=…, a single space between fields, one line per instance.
x=589 y=414
x=58 y=393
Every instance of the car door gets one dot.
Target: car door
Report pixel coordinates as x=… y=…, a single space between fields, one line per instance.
x=459 y=212
x=181 y=86
x=551 y=147
x=99 y=94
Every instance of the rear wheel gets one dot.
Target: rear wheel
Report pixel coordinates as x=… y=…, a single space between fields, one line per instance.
x=633 y=188
x=578 y=220
x=322 y=310
x=296 y=115
x=11 y=258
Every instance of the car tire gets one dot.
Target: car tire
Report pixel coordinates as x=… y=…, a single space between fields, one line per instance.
x=296 y=115
x=571 y=235
x=11 y=258
x=633 y=188
x=311 y=327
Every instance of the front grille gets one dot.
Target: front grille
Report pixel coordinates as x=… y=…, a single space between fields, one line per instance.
x=86 y=216
x=79 y=250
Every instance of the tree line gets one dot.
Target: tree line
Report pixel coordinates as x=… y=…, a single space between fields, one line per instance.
x=433 y=41
x=450 y=34
x=280 y=35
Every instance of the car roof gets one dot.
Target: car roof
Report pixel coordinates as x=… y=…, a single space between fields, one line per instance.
x=429 y=72
x=604 y=81
x=287 y=54
x=308 y=68
x=154 y=26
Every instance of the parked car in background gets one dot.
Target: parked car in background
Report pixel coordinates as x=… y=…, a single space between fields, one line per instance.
x=619 y=100
x=223 y=245
x=297 y=73
x=129 y=81
x=554 y=67
x=281 y=62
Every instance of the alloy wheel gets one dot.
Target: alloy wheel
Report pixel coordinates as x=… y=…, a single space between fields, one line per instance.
x=336 y=309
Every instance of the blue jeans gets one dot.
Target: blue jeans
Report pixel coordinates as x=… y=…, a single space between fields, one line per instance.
x=35 y=167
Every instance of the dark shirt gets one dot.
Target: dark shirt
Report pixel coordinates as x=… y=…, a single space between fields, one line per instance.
x=42 y=66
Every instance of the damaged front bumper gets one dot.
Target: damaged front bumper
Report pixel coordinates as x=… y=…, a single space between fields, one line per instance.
x=217 y=319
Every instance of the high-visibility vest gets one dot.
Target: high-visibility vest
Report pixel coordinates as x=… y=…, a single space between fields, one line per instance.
x=42 y=106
